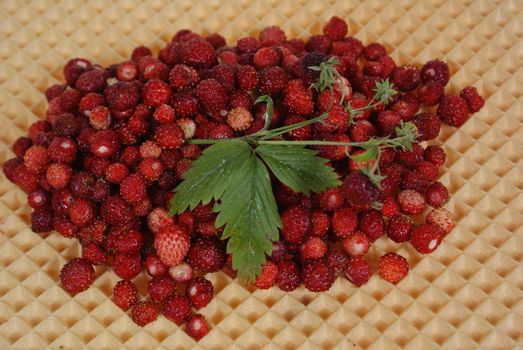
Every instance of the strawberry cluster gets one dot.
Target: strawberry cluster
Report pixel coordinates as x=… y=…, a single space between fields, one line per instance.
x=115 y=142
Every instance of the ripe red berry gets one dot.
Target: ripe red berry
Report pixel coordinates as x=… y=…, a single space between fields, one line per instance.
x=62 y=150
x=125 y=294
x=393 y=267
x=246 y=77
x=58 y=175
x=430 y=93
x=197 y=53
x=435 y=154
x=474 y=101
x=171 y=244
x=196 y=326
x=331 y=199
x=156 y=92
x=426 y=238
x=81 y=212
x=266 y=57
x=199 y=292
x=160 y=288
x=36 y=159
x=272 y=36
x=181 y=273
x=359 y=191
x=133 y=188
x=320 y=223
x=296 y=224
x=356 y=244
x=437 y=195
x=335 y=28
x=42 y=220
x=344 y=222
x=150 y=169
x=298 y=98
x=127 y=71
x=272 y=80
x=39 y=198
x=453 y=110
x=288 y=278
x=211 y=95
x=127 y=267
x=313 y=248
x=441 y=218
x=164 y=114
x=176 y=308
x=154 y=266
x=399 y=228
x=428 y=125
x=436 y=71
x=77 y=275
x=144 y=313
x=93 y=253
x=183 y=77
x=169 y=136
x=239 y=119
x=411 y=202
x=358 y=271
x=317 y=276
x=207 y=255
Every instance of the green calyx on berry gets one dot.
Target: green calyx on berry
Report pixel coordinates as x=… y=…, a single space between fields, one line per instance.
x=234 y=173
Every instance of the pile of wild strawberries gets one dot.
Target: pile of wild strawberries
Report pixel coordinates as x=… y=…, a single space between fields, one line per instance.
x=101 y=166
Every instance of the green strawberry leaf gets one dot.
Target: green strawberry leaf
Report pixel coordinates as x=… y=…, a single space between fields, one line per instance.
x=298 y=167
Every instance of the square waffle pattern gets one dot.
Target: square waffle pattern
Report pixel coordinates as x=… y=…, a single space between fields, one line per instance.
x=467 y=295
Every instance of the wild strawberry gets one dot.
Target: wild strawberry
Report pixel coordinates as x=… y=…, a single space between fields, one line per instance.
x=317 y=276
x=185 y=104
x=288 y=278
x=150 y=169
x=406 y=78
x=176 y=308
x=221 y=131
x=93 y=253
x=125 y=294
x=388 y=121
x=42 y=220
x=313 y=248
x=39 y=198
x=211 y=95
x=246 y=77
x=337 y=260
x=362 y=131
x=140 y=51
x=247 y=45
x=93 y=80
x=411 y=158
x=374 y=51
x=122 y=96
x=435 y=154
x=183 y=77
x=359 y=190
x=216 y=40
x=90 y=101
x=437 y=195
x=172 y=244
x=356 y=244
x=182 y=166
x=267 y=278
x=399 y=228
x=129 y=243
x=335 y=28
x=74 y=68
x=94 y=232
x=21 y=145
x=160 y=288
x=62 y=150
x=320 y=223
x=197 y=53
x=36 y=159
x=436 y=71
x=266 y=57
x=239 y=119
x=320 y=43
x=428 y=125
x=133 y=188
x=298 y=98
x=414 y=180
x=58 y=175
x=271 y=36
x=100 y=117
x=169 y=136
x=191 y=151
x=272 y=80
x=53 y=91
x=116 y=172
x=181 y=273
x=334 y=152
x=224 y=74
x=390 y=207
x=127 y=71
x=441 y=218
x=144 y=313
x=411 y=202
x=331 y=199
x=81 y=212
x=154 y=266
x=105 y=143
x=77 y=275
x=127 y=267
x=474 y=101
x=296 y=224
x=206 y=255
x=453 y=110
x=156 y=92
x=406 y=106
x=344 y=222
x=430 y=93
x=196 y=326
x=426 y=238
x=9 y=169
x=358 y=271
x=393 y=267
x=299 y=134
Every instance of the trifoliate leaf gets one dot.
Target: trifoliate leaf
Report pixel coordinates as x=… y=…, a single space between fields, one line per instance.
x=210 y=175
x=298 y=167
x=250 y=215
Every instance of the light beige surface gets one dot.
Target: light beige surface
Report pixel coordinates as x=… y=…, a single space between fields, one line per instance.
x=467 y=295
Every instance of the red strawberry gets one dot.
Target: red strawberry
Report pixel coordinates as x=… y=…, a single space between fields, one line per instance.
x=313 y=248
x=371 y=223
x=181 y=273
x=288 y=278
x=411 y=202
x=125 y=294
x=399 y=228
x=77 y=275
x=474 y=101
x=337 y=260
x=197 y=53
x=266 y=57
x=267 y=277
x=212 y=95
x=320 y=223
x=437 y=195
x=426 y=238
x=390 y=207
x=317 y=276
x=133 y=188
x=358 y=271
x=176 y=308
x=296 y=224
x=196 y=326
x=183 y=77
x=127 y=267
x=356 y=244
x=435 y=154
x=246 y=77
x=428 y=125
x=441 y=218
x=239 y=119
x=393 y=267
x=154 y=266
x=298 y=98
x=272 y=36
x=453 y=110
x=436 y=71
x=171 y=244
x=169 y=136
x=160 y=288
x=207 y=255
x=359 y=191
x=374 y=51
x=273 y=80
x=335 y=28
x=93 y=253
x=144 y=313
x=430 y=93
x=344 y=222
x=199 y=291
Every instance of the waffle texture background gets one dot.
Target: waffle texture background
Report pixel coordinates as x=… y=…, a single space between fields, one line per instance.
x=467 y=295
